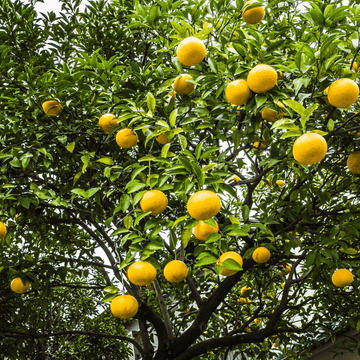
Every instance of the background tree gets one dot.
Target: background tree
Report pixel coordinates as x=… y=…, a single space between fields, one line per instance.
x=70 y=195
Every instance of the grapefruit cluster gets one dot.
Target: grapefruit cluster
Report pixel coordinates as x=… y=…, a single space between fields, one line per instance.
x=260 y=79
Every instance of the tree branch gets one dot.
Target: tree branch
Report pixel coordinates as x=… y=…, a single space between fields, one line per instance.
x=163 y=309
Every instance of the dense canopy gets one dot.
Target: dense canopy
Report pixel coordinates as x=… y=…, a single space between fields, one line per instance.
x=70 y=188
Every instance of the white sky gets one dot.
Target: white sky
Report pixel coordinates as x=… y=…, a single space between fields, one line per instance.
x=53 y=5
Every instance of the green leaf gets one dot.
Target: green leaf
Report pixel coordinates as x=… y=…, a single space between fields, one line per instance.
x=186 y=163
x=317 y=16
x=178 y=221
x=119 y=231
x=204 y=33
x=172 y=117
x=206 y=260
x=62 y=139
x=163 y=124
x=212 y=65
x=179 y=29
x=208 y=167
x=311 y=257
x=248 y=253
x=198 y=150
x=304 y=58
x=92 y=192
x=238 y=232
x=15 y=162
x=291 y=133
x=141 y=216
x=138 y=197
x=260 y=100
x=156 y=243
x=210 y=222
x=111 y=289
x=185 y=236
x=240 y=49
x=147 y=158
x=191 y=224
x=235 y=220
x=106 y=160
x=109 y=297
x=24 y=201
x=245 y=212
x=294 y=105
x=151 y=103
x=77 y=177
x=80 y=192
x=276 y=45
x=306 y=114
x=124 y=202
x=128 y=220
x=25 y=159
x=135 y=187
x=330 y=125
x=165 y=150
x=212 y=238
x=183 y=142
x=349 y=251
x=231 y=264
x=70 y=147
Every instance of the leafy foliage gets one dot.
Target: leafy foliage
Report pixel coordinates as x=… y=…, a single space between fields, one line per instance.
x=70 y=196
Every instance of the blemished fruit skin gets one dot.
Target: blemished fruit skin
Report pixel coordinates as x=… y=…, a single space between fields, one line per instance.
x=203 y=205
x=163 y=138
x=229 y=255
x=191 y=51
x=52 y=107
x=353 y=162
x=3 y=230
x=107 y=122
x=309 y=148
x=175 y=271
x=343 y=92
x=202 y=230
x=342 y=277
x=238 y=92
x=272 y=116
x=253 y=16
x=261 y=255
x=124 y=306
x=18 y=287
x=155 y=201
x=182 y=86
x=126 y=138
x=262 y=78
x=141 y=273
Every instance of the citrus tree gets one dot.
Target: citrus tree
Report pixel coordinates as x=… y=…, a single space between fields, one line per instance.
x=186 y=169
